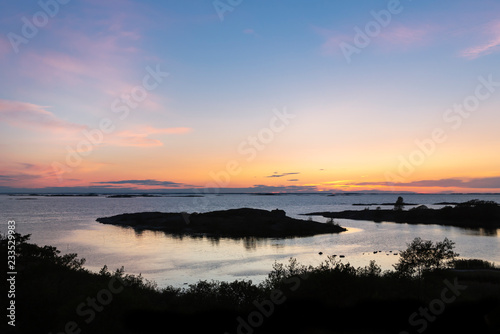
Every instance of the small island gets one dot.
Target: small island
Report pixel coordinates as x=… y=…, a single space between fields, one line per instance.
x=471 y=214
x=244 y=222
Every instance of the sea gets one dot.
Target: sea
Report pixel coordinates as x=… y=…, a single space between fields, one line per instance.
x=69 y=223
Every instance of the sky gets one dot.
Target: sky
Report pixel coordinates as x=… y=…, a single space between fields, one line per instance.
x=281 y=96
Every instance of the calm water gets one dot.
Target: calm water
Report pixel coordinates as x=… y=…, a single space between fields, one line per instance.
x=69 y=224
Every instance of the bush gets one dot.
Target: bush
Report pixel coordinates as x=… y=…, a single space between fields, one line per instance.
x=472 y=264
x=424 y=255
x=478 y=203
x=371 y=270
x=281 y=272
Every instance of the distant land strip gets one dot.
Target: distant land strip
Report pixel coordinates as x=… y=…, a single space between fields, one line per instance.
x=471 y=214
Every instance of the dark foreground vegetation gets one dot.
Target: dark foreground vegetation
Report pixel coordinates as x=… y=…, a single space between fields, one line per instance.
x=471 y=214
x=243 y=222
x=428 y=291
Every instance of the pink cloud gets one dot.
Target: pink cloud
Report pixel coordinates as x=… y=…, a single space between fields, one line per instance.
x=32 y=116
x=56 y=68
x=492 y=30
x=390 y=37
x=32 y=168
x=104 y=56
x=481 y=50
x=103 y=46
x=26 y=174
x=62 y=68
x=400 y=35
x=96 y=61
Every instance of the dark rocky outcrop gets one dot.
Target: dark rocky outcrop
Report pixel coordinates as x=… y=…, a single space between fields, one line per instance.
x=373 y=204
x=243 y=222
x=471 y=214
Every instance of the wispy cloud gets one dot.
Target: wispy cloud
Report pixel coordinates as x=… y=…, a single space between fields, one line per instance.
x=393 y=36
x=281 y=175
x=32 y=116
x=401 y=37
x=8 y=178
x=18 y=178
x=407 y=36
x=35 y=117
x=491 y=45
x=60 y=67
x=28 y=174
x=102 y=50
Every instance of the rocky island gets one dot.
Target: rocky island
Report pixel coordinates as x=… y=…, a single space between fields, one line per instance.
x=471 y=214
x=244 y=222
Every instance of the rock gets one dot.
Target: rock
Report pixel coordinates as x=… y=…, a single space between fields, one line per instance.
x=278 y=213
x=244 y=222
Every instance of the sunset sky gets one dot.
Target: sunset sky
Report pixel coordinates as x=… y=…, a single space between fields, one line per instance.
x=251 y=95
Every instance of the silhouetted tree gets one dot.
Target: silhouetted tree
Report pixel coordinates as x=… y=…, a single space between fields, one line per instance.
x=424 y=255
x=399 y=204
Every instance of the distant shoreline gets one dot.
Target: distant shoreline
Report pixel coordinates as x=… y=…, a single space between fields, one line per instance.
x=63 y=192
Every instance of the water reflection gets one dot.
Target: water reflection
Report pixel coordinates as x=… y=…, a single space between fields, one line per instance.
x=249 y=243
x=486 y=232
x=69 y=224
x=214 y=241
